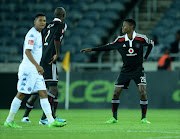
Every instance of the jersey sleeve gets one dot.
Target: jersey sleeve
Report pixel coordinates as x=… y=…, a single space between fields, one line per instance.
x=107 y=47
x=59 y=34
x=148 y=41
x=29 y=42
x=150 y=44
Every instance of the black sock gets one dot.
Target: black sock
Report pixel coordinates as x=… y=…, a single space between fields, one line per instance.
x=27 y=109
x=51 y=103
x=143 y=104
x=55 y=107
x=115 y=104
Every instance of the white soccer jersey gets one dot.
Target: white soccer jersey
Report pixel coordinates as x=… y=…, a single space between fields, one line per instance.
x=33 y=41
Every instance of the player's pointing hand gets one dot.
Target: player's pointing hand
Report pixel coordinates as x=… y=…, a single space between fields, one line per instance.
x=86 y=50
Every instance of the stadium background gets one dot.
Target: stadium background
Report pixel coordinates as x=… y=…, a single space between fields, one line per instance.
x=92 y=23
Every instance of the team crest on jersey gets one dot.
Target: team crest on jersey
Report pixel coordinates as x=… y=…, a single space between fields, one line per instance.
x=137 y=45
x=31 y=42
x=124 y=45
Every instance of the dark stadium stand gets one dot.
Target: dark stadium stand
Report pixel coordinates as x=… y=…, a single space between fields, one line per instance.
x=168 y=25
x=89 y=23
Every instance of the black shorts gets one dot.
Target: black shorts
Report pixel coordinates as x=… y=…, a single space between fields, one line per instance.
x=50 y=83
x=50 y=72
x=123 y=80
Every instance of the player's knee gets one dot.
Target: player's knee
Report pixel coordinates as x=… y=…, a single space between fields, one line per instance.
x=54 y=91
x=32 y=99
x=143 y=94
x=115 y=95
x=42 y=94
x=20 y=96
x=142 y=90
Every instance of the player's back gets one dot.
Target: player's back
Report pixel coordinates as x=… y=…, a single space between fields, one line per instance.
x=52 y=31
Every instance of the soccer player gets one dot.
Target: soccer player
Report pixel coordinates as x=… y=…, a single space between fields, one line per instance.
x=52 y=36
x=130 y=46
x=30 y=75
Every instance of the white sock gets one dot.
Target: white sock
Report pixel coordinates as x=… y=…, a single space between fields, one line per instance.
x=47 y=109
x=15 y=105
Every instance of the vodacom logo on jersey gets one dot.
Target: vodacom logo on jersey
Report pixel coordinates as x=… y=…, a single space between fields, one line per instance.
x=131 y=52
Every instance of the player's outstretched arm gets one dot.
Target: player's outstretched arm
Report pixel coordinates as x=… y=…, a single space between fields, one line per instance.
x=86 y=50
x=106 y=47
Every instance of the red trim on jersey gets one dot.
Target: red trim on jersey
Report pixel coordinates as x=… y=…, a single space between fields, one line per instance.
x=140 y=39
x=121 y=39
x=58 y=22
x=55 y=21
x=57 y=41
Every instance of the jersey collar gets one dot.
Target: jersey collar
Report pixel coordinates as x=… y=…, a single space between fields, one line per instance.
x=57 y=19
x=126 y=36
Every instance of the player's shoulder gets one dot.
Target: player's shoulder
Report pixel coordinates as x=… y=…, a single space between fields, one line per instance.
x=58 y=23
x=31 y=32
x=141 y=36
x=120 y=38
x=62 y=26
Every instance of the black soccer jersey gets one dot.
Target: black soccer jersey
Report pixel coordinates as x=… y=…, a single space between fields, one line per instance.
x=53 y=32
x=130 y=50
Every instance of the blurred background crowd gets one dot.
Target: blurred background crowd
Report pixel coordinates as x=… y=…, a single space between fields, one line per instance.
x=92 y=23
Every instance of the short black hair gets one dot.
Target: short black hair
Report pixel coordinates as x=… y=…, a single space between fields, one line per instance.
x=131 y=22
x=40 y=14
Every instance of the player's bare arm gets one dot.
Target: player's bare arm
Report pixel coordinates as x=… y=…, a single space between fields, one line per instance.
x=86 y=50
x=31 y=58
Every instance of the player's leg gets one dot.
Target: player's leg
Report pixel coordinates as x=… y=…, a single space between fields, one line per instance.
x=54 y=91
x=15 y=105
x=122 y=82
x=29 y=106
x=116 y=101
x=47 y=110
x=51 y=96
x=24 y=86
x=53 y=100
x=141 y=82
x=143 y=102
x=41 y=87
x=46 y=105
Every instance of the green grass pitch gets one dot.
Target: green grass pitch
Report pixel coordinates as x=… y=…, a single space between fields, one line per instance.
x=89 y=124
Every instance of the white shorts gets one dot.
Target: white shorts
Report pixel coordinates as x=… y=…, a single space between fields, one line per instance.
x=30 y=82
